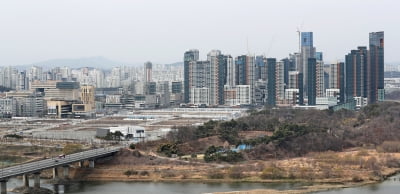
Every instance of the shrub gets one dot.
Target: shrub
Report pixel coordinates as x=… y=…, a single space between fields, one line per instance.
x=185 y=175
x=356 y=178
x=168 y=149
x=390 y=146
x=72 y=148
x=211 y=153
x=144 y=173
x=305 y=173
x=132 y=146
x=230 y=156
x=14 y=136
x=392 y=162
x=219 y=154
x=168 y=174
x=327 y=173
x=236 y=173
x=350 y=160
x=215 y=174
x=113 y=136
x=136 y=154
x=363 y=153
x=272 y=172
x=128 y=173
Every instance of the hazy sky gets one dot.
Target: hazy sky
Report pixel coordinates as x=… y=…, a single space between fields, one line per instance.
x=135 y=31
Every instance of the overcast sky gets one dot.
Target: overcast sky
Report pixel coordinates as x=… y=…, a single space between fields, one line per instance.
x=135 y=31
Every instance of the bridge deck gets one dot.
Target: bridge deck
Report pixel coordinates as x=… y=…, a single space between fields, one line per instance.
x=37 y=166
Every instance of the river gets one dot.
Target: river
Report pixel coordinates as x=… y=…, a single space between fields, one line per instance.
x=390 y=186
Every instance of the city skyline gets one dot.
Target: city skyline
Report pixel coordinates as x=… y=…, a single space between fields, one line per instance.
x=43 y=30
x=301 y=77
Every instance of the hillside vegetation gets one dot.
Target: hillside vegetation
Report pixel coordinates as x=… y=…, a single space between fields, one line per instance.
x=294 y=132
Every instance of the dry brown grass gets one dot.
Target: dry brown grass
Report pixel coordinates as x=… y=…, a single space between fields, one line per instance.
x=317 y=167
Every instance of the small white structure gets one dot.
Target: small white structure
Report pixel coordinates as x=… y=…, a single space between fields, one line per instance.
x=130 y=131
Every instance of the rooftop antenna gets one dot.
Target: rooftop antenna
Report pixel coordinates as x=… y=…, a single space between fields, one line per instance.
x=270 y=44
x=247 y=45
x=299 y=34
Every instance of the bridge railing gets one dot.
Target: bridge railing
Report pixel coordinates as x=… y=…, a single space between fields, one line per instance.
x=40 y=165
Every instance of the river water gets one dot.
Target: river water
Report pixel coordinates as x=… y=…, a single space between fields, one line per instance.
x=96 y=187
x=390 y=186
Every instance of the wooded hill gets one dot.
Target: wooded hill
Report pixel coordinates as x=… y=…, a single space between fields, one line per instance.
x=294 y=132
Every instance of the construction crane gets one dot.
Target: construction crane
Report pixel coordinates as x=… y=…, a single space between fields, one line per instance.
x=299 y=34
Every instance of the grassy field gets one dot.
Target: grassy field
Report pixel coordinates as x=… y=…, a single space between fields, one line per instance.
x=15 y=154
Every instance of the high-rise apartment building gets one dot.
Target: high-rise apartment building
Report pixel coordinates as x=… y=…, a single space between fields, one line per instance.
x=311 y=81
x=36 y=73
x=287 y=65
x=230 y=71
x=22 y=81
x=176 y=87
x=223 y=62
x=271 y=82
x=8 y=77
x=215 y=74
x=295 y=87
x=163 y=94
x=197 y=74
x=320 y=79
x=189 y=56
x=148 y=69
x=327 y=70
x=337 y=79
x=376 y=67
x=356 y=74
x=245 y=72
x=280 y=80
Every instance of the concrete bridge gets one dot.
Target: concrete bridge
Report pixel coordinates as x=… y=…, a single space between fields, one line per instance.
x=60 y=161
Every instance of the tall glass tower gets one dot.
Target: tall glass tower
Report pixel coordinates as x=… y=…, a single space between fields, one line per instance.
x=376 y=67
x=271 y=85
x=307 y=52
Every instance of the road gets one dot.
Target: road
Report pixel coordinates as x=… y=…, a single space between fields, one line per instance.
x=6 y=173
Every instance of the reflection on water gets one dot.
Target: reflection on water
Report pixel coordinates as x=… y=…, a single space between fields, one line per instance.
x=390 y=186
x=168 y=188
x=153 y=187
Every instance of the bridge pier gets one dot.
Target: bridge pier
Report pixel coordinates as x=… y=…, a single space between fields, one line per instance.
x=55 y=173
x=56 y=188
x=36 y=180
x=66 y=171
x=25 y=180
x=3 y=185
x=91 y=163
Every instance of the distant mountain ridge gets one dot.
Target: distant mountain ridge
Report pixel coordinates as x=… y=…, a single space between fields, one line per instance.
x=176 y=64
x=95 y=62
x=98 y=62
